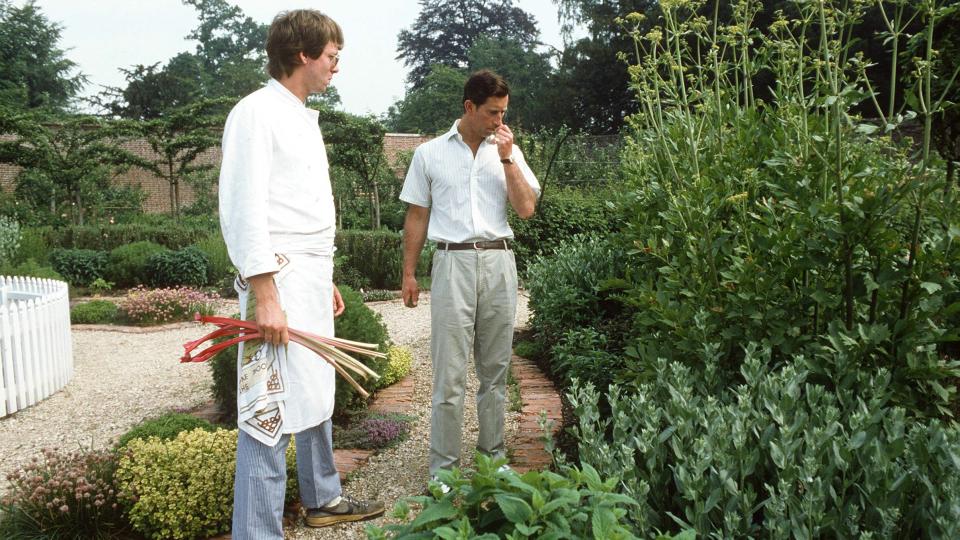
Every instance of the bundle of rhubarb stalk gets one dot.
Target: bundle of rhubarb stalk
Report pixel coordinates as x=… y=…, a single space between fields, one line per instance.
x=330 y=349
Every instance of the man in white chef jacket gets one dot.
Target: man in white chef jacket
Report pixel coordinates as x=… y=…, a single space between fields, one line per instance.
x=277 y=217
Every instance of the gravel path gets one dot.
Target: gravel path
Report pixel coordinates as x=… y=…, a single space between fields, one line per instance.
x=121 y=378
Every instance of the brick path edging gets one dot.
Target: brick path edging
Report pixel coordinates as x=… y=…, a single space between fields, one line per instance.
x=538 y=395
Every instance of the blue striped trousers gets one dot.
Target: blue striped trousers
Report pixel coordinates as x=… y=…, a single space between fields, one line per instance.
x=261 y=478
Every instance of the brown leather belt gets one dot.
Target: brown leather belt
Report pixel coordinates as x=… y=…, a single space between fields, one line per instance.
x=486 y=244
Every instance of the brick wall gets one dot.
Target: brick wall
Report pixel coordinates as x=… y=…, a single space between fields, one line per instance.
x=157 y=189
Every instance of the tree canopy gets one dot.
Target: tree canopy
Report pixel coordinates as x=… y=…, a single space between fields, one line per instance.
x=34 y=71
x=228 y=61
x=445 y=30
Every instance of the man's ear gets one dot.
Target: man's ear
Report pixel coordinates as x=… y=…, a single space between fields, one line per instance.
x=468 y=106
x=302 y=57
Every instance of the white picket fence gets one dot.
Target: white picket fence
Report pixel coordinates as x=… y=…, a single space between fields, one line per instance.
x=36 y=354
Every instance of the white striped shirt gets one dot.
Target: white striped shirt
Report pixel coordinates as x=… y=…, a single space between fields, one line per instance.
x=467 y=195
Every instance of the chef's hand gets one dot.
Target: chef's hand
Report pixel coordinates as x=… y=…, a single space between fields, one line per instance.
x=338 y=305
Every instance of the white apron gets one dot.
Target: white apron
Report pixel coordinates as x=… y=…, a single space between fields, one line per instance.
x=287 y=391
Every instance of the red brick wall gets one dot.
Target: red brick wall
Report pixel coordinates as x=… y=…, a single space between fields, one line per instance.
x=158 y=190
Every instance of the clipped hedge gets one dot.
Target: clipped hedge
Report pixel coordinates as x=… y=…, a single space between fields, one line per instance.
x=108 y=237
x=358 y=323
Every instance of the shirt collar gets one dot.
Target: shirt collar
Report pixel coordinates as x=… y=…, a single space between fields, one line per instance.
x=454 y=133
x=292 y=99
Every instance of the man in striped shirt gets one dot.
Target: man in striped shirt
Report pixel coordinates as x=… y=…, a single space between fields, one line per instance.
x=457 y=188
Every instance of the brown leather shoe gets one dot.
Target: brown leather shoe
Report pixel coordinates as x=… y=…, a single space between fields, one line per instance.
x=348 y=510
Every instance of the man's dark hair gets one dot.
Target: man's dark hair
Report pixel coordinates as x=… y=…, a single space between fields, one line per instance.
x=483 y=85
x=301 y=30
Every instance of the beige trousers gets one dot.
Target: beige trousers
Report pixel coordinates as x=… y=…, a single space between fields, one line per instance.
x=473 y=303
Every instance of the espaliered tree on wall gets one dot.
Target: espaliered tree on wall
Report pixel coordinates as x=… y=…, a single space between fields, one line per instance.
x=355 y=144
x=68 y=166
x=178 y=137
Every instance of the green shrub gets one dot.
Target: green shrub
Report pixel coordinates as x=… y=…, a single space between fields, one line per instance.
x=575 y=504
x=220 y=266
x=777 y=456
x=79 y=266
x=374 y=259
x=164 y=427
x=358 y=323
x=62 y=495
x=9 y=239
x=94 y=312
x=183 y=487
x=31 y=268
x=582 y=354
x=564 y=212
x=576 y=288
x=128 y=263
x=188 y=266
x=399 y=362
x=33 y=245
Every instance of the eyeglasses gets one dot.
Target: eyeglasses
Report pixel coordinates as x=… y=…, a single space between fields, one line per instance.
x=335 y=59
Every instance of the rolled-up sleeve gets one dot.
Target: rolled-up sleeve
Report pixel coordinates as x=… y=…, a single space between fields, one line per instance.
x=526 y=171
x=416 y=186
x=244 y=190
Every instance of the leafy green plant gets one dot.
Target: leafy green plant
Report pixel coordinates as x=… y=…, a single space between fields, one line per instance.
x=491 y=504
x=783 y=223
x=164 y=427
x=220 y=266
x=94 y=312
x=128 y=263
x=100 y=286
x=576 y=288
x=9 y=238
x=79 y=267
x=777 y=455
x=563 y=213
x=31 y=268
x=187 y=266
x=358 y=323
x=63 y=495
x=399 y=362
x=33 y=245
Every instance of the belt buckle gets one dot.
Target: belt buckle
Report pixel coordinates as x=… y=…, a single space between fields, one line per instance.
x=476 y=246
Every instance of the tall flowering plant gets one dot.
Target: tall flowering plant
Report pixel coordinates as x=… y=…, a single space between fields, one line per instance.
x=330 y=349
